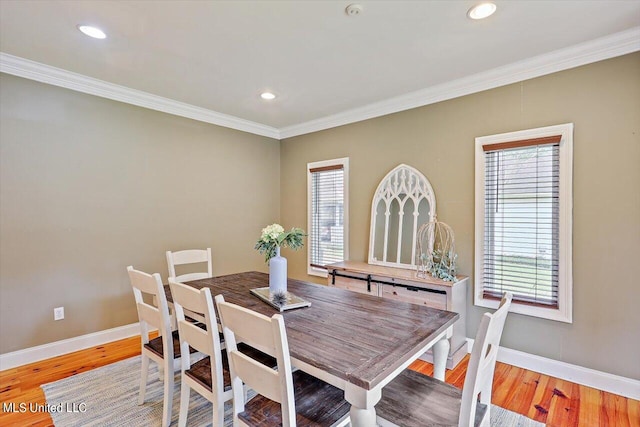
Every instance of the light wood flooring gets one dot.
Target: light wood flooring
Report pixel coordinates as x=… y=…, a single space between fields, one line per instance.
x=550 y=400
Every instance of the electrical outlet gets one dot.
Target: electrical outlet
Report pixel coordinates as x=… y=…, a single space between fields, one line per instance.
x=58 y=313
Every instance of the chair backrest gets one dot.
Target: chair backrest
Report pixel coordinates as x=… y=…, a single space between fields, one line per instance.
x=206 y=341
x=149 y=315
x=482 y=363
x=267 y=334
x=189 y=256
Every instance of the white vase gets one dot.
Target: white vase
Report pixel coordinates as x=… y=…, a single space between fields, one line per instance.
x=277 y=273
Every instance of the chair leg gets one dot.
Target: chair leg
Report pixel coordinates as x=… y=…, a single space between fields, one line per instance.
x=161 y=371
x=216 y=417
x=144 y=373
x=218 y=413
x=185 y=395
x=168 y=397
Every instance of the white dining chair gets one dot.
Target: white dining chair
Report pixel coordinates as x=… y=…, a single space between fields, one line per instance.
x=284 y=398
x=189 y=256
x=164 y=349
x=207 y=376
x=416 y=400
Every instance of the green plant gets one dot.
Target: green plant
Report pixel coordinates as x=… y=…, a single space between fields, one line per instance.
x=441 y=265
x=274 y=236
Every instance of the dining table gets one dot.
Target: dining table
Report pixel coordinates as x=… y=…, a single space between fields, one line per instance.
x=356 y=342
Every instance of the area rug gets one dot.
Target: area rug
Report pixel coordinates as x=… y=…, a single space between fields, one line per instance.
x=108 y=396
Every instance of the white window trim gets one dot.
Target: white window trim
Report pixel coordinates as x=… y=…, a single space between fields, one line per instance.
x=564 y=312
x=344 y=161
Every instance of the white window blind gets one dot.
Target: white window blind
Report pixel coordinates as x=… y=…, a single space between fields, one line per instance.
x=521 y=219
x=327 y=230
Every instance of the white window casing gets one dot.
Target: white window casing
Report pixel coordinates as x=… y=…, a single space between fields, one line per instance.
x=561 y=309
x=327 y=214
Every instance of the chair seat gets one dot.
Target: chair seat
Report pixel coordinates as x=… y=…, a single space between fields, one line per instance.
x=317 y=404
x=155 y=346
x=200 y=371
x=416 y=400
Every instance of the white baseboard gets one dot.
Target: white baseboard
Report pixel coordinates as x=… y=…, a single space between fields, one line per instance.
x=58 y=348
x=616 y=384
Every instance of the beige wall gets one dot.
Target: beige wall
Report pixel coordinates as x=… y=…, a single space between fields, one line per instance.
x=603 y=101
x=89 y=186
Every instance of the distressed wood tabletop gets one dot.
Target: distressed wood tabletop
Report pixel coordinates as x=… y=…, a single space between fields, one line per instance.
x=359 y=338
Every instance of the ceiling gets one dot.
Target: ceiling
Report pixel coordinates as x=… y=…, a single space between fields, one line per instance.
x=327 y=68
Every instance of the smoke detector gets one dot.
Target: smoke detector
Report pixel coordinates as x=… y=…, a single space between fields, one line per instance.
x=353 y=9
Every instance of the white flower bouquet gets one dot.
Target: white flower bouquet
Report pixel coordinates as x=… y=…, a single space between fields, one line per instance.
x=274 y=236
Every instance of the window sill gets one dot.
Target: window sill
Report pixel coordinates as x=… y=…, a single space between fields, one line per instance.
x=528 y=310
x=312 y=271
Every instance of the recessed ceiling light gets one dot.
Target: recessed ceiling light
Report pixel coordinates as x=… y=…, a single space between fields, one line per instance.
x=481 y=11
x=94 y=32
x=267 y=95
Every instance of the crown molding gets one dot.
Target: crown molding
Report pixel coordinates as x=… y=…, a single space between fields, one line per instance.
x=585 y=53
x=28 y=69
x=581 y=54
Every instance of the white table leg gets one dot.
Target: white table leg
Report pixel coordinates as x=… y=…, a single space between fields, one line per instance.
x=440 y=354
x=362 y=417
x=363 y=411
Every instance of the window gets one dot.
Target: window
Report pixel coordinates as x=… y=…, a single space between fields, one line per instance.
x=523 y=221
x=328 y=214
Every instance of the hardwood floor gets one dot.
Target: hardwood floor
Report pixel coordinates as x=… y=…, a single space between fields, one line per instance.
x=550 y=400
x=22 y=384
x=546 y=399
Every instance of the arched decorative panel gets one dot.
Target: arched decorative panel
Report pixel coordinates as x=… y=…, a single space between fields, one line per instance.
x=403 y=201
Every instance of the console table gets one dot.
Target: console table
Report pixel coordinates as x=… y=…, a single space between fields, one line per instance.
x=403 y=285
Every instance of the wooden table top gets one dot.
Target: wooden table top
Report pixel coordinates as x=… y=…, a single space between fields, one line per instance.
x=359 y=338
